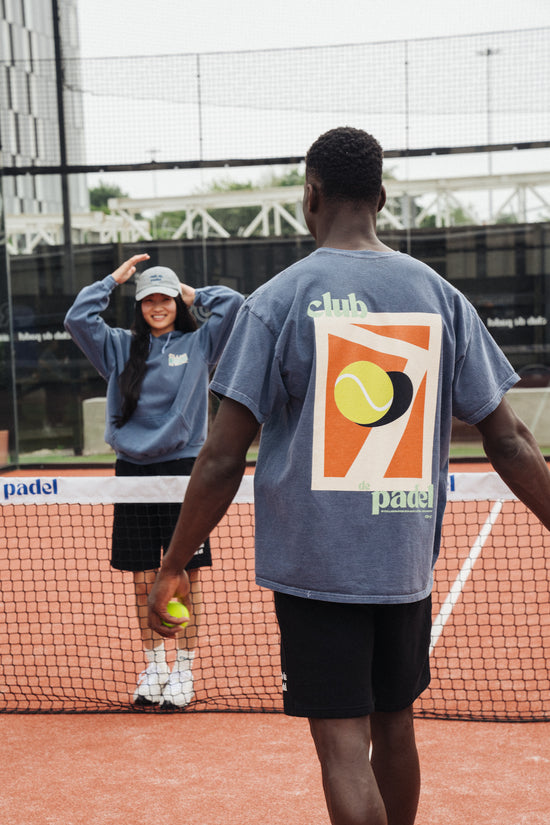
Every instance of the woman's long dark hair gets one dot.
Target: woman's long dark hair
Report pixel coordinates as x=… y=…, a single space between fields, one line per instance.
x=131 y=377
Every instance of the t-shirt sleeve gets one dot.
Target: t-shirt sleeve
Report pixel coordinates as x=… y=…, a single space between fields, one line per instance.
x=482 y=374
x=249 y=369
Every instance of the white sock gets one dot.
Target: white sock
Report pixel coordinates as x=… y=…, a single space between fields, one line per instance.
x=184 y=659
x=156 y=655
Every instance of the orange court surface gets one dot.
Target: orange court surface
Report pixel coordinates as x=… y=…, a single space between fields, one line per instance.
x=249 y=769
x=217 y=768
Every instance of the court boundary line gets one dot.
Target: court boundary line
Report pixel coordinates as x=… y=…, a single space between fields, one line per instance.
x=455 y=592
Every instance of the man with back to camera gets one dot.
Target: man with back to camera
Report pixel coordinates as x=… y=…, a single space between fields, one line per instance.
x=361 y=355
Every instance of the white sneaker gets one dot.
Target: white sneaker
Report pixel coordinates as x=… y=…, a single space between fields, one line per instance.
x=151 y=682
x=178 y=690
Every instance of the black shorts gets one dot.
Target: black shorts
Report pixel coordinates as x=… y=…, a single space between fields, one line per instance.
x=142 y=531
x=345 y=660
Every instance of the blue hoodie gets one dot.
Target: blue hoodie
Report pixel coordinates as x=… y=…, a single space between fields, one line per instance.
x=171 y=417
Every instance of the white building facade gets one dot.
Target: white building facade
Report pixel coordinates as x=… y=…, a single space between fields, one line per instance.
x=29 y=133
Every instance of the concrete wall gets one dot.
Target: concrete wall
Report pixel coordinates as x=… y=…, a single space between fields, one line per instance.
x=93 y=421
x=532 y=405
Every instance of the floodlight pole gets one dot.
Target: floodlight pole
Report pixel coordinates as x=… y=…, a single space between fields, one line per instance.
x=199 y=115
x=68 y=264
x=488 y=53
x=153 y=153
x=5 y=275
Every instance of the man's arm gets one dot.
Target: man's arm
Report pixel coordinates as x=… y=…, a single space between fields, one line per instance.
x=515 y=455
x=215 y=479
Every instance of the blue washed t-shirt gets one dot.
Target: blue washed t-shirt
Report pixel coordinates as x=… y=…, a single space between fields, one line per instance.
x=355 y=362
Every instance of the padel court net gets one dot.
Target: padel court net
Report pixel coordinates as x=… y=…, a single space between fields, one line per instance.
x=70 y=640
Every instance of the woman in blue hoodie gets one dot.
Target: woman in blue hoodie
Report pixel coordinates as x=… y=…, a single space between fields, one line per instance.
x=157 y=377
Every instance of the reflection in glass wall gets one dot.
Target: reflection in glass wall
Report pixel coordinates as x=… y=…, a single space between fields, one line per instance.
x=53 y=379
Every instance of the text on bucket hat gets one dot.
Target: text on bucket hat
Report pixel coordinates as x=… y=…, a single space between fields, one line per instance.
x=157 y=279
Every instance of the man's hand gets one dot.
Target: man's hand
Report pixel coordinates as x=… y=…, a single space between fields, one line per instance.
x=214 y=482
x=168 y=585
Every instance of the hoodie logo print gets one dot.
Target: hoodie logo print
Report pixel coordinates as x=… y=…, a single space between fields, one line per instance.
x=177 y=360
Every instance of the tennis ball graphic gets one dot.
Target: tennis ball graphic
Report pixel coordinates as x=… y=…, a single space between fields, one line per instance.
x=363 y=392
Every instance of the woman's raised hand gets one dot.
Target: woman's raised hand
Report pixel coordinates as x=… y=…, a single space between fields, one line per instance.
x=188 y=294
x=127 y=269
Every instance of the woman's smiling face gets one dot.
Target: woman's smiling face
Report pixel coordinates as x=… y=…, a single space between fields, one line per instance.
x=159 y=312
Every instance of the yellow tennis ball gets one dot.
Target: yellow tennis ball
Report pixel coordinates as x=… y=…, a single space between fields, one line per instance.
x=363 y=392
x=178 y=610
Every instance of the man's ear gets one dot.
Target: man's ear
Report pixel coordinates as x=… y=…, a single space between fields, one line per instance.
x=381 y=199
x=312 y=197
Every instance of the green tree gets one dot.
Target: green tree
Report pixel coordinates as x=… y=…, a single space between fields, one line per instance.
x=293 y=177
x=507 y=219
x=100 y=194
x=237 y=218
x=458 y=217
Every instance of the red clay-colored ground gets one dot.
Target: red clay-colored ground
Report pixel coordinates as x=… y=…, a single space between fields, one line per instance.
x=249 y=769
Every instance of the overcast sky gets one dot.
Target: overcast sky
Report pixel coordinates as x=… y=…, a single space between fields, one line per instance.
x=110 y=28
x=124 y=27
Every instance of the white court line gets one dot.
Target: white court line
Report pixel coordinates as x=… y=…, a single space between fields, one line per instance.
x=455 y=591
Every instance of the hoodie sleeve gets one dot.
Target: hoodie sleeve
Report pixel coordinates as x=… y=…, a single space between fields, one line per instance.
x=99 y=342
x=221 y=305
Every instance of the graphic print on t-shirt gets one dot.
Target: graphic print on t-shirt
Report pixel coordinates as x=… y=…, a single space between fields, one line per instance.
x=375 y=401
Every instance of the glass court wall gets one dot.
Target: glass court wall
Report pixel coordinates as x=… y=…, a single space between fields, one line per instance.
x=214 y=193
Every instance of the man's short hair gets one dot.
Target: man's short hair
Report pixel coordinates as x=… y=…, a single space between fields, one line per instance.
x=348 y=163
